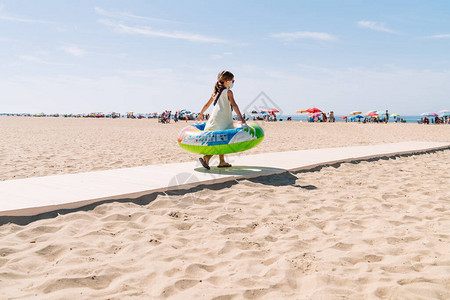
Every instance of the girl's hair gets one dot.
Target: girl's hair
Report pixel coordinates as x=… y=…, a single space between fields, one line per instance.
x=221 y=78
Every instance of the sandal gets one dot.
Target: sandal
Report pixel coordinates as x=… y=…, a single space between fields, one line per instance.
x=225 y=166
x=204 y=164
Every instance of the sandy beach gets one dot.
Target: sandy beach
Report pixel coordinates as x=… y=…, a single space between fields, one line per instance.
x=369 y=230
x=32 y=147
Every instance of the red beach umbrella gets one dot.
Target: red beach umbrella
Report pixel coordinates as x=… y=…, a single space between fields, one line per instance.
x=313 y=110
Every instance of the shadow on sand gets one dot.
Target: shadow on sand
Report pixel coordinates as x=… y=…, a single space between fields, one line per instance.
x=261 y=175
x=240 y=170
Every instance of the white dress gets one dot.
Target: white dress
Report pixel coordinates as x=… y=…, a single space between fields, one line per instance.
x=221 y=117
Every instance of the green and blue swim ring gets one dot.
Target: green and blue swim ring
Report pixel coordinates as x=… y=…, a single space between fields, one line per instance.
x=196 y=139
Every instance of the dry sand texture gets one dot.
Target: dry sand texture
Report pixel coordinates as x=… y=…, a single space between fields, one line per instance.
x=372 y=230
x=31 y=147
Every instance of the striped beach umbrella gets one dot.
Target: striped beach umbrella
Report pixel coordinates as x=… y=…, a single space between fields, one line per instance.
x=429 y=114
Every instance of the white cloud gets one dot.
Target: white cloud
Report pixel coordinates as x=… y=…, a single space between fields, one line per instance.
x=6 y=17
x=123 y=16
x=320 y=36
x=439 y=36
x=73 y=50
x=147 y=31
x=375 y=26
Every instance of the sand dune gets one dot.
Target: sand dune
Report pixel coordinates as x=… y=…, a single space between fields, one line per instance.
x=371 y=230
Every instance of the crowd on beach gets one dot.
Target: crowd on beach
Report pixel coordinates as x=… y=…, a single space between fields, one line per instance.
x=435 y=120
x=270 y=115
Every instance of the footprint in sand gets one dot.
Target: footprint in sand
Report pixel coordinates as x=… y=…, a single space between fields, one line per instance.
x=343 y=246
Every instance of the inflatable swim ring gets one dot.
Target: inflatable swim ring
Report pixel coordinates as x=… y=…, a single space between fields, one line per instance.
x=197 y=140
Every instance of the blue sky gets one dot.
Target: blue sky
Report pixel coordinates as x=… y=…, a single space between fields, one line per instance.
x=146 y=56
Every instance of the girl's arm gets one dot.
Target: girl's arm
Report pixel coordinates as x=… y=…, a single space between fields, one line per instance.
x=205 y=107
x=235 y=106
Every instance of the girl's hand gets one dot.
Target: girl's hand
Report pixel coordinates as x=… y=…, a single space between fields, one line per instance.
x=200 y=117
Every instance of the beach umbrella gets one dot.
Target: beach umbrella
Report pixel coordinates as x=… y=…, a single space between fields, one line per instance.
x=301 y=111
x=445 y=111
x=372 y=114
x=355 y=112
x=344 y=117
x=316 y=114
x=313 y=110
x=358 y=116
x=447 y=114
x=271 y=111
x=429 y=114
x=395 y=115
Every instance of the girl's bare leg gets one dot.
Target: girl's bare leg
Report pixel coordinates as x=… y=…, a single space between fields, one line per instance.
x=222 y=161
x=206 y=158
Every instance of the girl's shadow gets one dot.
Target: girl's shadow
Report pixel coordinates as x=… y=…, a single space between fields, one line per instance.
x=240 y=170
x=262 y=175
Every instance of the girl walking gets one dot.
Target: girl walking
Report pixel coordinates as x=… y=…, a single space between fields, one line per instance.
x=221 y=116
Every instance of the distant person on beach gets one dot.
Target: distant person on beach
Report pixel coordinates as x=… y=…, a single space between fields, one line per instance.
x=332 y=119
x=387 y=117
x=222 y=117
